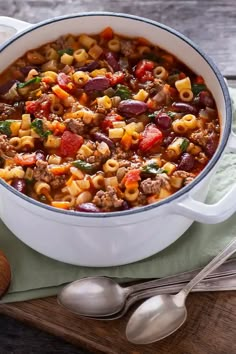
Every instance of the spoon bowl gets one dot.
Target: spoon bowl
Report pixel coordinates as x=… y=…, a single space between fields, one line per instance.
x=165 y=312
x=98 y=296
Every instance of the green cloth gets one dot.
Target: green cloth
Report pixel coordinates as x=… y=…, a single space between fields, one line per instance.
x=35 y=275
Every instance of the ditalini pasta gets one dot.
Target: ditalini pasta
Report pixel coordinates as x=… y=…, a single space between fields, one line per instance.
x=103 y=123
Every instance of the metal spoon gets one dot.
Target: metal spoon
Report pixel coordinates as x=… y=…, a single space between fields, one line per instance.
x=101 y=296
x=161 y=315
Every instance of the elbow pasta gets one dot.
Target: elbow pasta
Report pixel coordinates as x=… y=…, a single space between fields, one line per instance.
x=104 y=123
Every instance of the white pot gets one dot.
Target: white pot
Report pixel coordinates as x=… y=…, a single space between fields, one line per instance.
x=108 y=239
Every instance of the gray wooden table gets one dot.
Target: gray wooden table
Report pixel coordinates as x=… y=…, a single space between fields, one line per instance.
x=209 y=23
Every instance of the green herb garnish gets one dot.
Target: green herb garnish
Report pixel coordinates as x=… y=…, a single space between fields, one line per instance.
x=152 y=168
x=123 y=92
x=197 y=88
x=184 y=145
x=37 y=126
x=83 y=166
x=68 y=51
x=171 y=114
x=5 y=127
x=35 y=80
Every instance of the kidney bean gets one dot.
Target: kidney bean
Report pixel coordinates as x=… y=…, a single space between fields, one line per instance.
x=168 y=139
x=90 y=67
x=6 y=87
x=211 y=145
x=186 y=162
x=125 y=205
x=129 y=108
x=97 y=84
x=163 y=121
x=184 y=107
x=102 y=137
x=40 y=155
x=88 y=207
x=206 y=100
x=112 y=61
x=19 y=184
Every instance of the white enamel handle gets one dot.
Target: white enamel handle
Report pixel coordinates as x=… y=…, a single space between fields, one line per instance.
x=207 y=213
x=10 y=26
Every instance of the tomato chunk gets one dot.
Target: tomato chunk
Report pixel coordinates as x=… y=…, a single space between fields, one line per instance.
x=116 y=78
x=70 y=144
x=131 y=178
x=25 y=159
x=143 y=70
x=151 y=136
x=39 y=108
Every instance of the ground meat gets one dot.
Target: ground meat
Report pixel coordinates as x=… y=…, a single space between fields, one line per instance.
x=199 y=137
x=58 y=182
x=6 y=149
x=41 y=173
x=127 y=47
x=9 y=112
x=183 y=174
x=121 y=154
x=202 y=158
x=107 y=200
x=153 y=186
x=76 y=126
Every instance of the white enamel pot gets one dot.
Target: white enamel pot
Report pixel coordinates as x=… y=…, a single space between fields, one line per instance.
x=109 y=239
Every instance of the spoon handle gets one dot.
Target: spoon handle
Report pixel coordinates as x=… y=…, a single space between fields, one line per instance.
x=216 y=262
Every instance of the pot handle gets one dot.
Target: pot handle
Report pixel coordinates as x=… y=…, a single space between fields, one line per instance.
x=207 y=213
x=13 y=23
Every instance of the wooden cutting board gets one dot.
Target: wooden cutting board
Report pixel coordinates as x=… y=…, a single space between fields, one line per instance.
x=210 y=327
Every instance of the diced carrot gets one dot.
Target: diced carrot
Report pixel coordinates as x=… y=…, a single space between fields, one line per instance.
x=199 y=80
x=59 y=92
x=58 y=170
x=26 y=159
x=107 y=33
x=58 y=127
x=61 y=204
x=126 y=141
x=70 y=180
x=130 y=180
x=83 y=100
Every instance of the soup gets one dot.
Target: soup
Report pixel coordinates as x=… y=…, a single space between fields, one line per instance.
x=103 y=123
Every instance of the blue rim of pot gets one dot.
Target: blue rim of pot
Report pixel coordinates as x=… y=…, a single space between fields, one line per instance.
x=177 y=194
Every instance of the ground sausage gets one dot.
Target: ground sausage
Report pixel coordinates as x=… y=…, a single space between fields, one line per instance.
x=107 y=200
x=41 y=173
x=6 y=149
x=75 y=126
x=153 y=186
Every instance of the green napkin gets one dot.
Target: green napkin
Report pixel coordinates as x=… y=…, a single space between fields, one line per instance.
x=35 y=275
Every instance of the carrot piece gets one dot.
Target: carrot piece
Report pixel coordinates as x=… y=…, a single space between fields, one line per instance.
x=130 y=180
x=107 y=33
x=70 y=180
x=58 y=170
x=60 y=204
x=83 y=100
x=59 y=92
x=126 y=141
x=26 y=159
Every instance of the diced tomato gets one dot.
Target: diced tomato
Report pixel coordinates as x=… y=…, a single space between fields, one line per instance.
x=25 y=159
x=143 y=70
x=151 y=136
x=131 y=178
x=115 y=78
x=70 y=144
x=65 y=82
x=39 y=108
x=182 y=75
x=199 y=80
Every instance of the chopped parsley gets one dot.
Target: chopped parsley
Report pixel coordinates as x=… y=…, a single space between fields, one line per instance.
x=5 y=127
x=35 y=80
x=171 y=114
x=152 y=168
x=197 y=88
x=68 y=51
x=123 y=92
x=83 y=166
x=184 y=145
x=37 y=126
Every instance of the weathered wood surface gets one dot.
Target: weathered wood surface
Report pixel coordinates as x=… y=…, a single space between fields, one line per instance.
x=211 y=325
x=210 y=328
